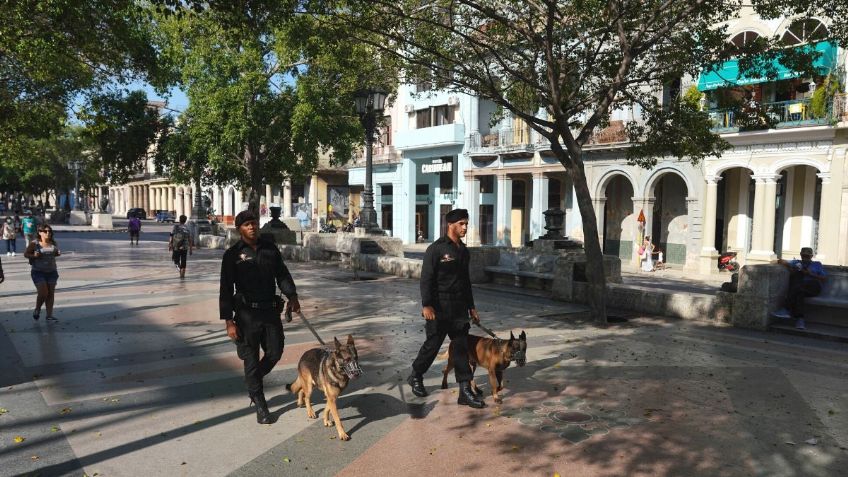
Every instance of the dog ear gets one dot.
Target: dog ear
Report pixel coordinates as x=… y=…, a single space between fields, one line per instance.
x=511 y=336
x=523 y=335
x=349 y=340
x=336 y=341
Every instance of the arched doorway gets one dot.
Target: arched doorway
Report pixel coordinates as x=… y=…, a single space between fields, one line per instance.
x=670 y=218
x=797 y=209
x=735 y=211
x=619 y=220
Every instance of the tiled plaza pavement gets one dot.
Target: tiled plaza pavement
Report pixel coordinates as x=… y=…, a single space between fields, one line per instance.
x=138 y=378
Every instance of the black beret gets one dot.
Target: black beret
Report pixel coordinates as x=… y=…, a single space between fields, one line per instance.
x=456 y=215
x=244 y=216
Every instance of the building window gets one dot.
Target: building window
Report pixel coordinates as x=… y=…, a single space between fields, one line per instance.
x=386 y=131
x=422 y=189
x=423 y=119
x=744 y=38
x=386 y=190
x=434 y=116
x=487 y=184
x=804 y=31
x=442 y=115
x=446 y=182
x=422 y=86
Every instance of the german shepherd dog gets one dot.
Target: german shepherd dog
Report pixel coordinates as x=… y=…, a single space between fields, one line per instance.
x=493 y=354
x=330 y=370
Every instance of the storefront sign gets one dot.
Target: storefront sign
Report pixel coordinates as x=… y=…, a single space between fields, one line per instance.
x=437 y=166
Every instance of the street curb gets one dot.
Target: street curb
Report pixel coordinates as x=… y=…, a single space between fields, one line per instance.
x=818 y=335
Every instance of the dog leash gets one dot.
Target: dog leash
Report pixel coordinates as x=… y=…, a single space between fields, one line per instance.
x=488 y=331
x=308 y=325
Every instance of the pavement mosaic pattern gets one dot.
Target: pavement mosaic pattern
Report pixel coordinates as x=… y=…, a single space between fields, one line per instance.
x=138 y=378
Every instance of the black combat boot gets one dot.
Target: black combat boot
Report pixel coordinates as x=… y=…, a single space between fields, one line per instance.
x=417 y=385
x=263 y=416
x=467 y=396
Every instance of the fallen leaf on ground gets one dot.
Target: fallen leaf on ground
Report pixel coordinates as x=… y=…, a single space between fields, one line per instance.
x=35 y=457
x=3 y=410
x=19 y=439
x=65 y=410
x=55 y=429
x=286 y=459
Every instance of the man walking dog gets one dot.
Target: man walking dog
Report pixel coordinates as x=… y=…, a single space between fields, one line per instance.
x=447 y=304
x=256 y=268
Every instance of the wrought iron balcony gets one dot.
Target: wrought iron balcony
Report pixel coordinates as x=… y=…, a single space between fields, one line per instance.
x=781 y=114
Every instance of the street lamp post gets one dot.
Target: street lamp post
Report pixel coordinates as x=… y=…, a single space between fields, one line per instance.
x=75 y=166
x=369 y=104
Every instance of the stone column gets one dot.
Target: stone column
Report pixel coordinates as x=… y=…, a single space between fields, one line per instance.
x=765 y=197
x=599 y=204
x=504 y=211
x=709 y=254
x=169 y=199
x=268 y=197
x=146 y=198
x=827 y=249
x=541 y=184
x=472 y=199
x=313 y=200
x=287 y=198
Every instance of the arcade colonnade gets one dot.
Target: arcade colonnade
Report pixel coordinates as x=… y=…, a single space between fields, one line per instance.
x=151 y=197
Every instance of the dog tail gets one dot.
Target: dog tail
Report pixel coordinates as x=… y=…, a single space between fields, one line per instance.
x=295 y=386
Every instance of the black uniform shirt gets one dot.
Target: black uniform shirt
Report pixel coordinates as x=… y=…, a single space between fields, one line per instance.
x=445 y=271
x=256 y=274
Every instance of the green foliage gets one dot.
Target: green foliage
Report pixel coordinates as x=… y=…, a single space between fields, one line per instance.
x=122 y=128
x=269 y=93
x=822 y=99
x=52 y=51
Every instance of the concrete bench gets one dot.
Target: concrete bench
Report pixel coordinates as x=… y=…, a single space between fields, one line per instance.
x=521 y=278
x=834 y=290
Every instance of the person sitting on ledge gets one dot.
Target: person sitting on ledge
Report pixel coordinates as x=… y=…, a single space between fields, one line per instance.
x=805 y=280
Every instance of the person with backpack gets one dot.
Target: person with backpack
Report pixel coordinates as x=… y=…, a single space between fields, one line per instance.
x=134 y=227
x=180 y=245
x=28 y=226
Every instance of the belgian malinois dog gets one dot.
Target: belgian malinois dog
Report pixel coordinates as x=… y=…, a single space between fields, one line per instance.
x=330 y=370
x=493 y=354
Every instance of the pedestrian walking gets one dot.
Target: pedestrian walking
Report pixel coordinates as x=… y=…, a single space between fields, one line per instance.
x=28 y=228
x=134 y=227
x=448 y=304
x=2 y=276
x=42 y=253
x=10 y=236
x=256 y=269
x=181 y=245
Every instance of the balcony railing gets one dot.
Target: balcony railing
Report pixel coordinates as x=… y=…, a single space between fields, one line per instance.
x=503 y=141
x=781 y=114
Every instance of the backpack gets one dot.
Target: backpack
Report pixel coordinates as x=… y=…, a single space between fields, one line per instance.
x=180 y=238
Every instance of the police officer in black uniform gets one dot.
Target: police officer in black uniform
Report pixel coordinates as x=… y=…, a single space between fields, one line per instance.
x=448 y=303
x=256 y=268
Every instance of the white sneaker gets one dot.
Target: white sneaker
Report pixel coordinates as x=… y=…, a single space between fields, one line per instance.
x=8 y=254
x=13 y=254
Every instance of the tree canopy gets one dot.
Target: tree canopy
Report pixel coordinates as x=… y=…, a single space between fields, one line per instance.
x=268 y=95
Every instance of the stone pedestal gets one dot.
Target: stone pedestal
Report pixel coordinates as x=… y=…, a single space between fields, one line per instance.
x=101 y=221
x=78 y=217
x=761 y=291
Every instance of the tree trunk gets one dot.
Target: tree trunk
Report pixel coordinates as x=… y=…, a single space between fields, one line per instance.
x=254 y=168
x=573 y=163
x=592 y=245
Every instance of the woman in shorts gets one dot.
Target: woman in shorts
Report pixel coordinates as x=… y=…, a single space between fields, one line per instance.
x=42 y=253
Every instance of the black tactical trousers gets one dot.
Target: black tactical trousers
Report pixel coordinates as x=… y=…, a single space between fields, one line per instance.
x=259 y=329
x=436 y=331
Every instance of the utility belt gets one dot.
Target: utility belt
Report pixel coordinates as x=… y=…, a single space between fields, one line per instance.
x=276 y=303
